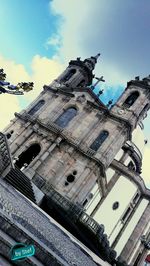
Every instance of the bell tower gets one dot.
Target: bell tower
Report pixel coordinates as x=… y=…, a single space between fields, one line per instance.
x=134 y=103
x=78 y=73
x=44 y=138
x=69 y=142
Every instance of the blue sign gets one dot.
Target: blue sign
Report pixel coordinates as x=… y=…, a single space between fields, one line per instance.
x=21 y=251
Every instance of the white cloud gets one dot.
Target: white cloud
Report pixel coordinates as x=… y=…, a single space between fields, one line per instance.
x=82 y=23
x=15 y=72
x=70 y=27
x=54 y=40
x=44 y=70
x=9 y=103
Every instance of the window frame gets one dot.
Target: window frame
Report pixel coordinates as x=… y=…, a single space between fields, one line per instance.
x=93 y=144
x=59 y=120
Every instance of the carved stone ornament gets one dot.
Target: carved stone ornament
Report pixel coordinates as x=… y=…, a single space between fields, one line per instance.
x=81 y=98
x=115 y=205
x=121 y=111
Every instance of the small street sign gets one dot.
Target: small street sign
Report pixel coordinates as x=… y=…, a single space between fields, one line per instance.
x=18 y=253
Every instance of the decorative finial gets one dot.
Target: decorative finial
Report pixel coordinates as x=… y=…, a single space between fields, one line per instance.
x=97 y=56
x=137 y=78
x=100 y=93
x=90 y=62
x=147 y=80
x=148 y=77
x=109 y=103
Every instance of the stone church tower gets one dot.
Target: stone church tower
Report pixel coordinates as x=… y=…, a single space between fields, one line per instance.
x=79 y=155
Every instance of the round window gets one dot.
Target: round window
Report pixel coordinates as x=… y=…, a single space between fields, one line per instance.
x=74 y=172
x=90 y=195
x=115 y=205
x=70 y=178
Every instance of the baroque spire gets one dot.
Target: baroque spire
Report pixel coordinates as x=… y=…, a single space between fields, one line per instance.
x=90 y=62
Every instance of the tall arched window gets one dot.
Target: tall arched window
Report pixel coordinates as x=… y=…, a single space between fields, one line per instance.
x=36 y=107
x=131 y=99
x=26 y=157
x=69 y=74
x=64 y=119
x=99 y=140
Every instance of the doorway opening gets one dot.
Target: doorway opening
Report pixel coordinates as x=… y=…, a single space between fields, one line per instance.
x=26 y=157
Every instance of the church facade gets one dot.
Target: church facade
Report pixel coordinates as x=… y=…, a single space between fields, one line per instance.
x=82 y=164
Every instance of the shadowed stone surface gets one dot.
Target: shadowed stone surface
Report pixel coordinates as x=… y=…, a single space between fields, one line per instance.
x=46 y=233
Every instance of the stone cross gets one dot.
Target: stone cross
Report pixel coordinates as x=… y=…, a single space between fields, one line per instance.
x=98 y=80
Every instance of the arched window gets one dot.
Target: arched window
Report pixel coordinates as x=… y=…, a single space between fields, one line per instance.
x=64 y=119
x=26 y=157
x=36 y=107
x=131 y=99
x=69 y=74
x=8 y=135
x=81 y=83
x=99 y=140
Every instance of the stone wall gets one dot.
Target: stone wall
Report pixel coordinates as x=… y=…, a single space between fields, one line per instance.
x=22 y=221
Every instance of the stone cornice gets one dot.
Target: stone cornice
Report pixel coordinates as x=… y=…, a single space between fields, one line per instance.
x=61 y=91
x=139 y=83
x=122 y=121
x=97 y=107
x=65 y=135
x=69 y=92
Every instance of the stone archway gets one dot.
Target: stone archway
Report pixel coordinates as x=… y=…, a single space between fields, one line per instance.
x=26 y=157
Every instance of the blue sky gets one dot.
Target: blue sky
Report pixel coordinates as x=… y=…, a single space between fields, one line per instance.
x=25 y=27
x=119 y=30
x=25 y=30
x=39 y=37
